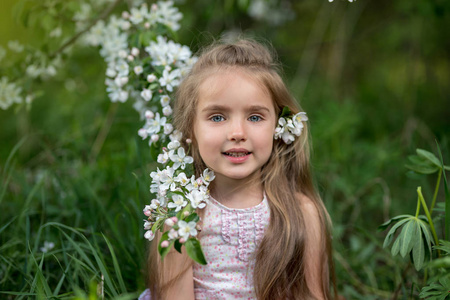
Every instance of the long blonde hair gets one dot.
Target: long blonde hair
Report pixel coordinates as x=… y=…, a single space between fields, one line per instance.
x=280 y=261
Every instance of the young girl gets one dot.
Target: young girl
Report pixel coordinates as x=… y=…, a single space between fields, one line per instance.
x=265 y=230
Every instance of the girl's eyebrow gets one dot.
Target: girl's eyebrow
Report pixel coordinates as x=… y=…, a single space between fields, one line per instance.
x=218 y=107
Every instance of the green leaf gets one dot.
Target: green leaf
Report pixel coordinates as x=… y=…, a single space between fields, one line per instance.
x=285 y=112
x=155 y=150
x=396 y=247
x=443 y=246
x=394 y=219
x=446 y=197
x=163 y=251
x=390 y=235
x=192 y=217
x=418 y=251
x=427 y=233
x=423 y=169
x=409 y=235
x=429 y=156
x=443 y=262
x=194 y=250
x=178 y=246
x=437 y=290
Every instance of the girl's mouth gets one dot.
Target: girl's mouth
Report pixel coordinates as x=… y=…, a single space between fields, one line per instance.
x=237 y=154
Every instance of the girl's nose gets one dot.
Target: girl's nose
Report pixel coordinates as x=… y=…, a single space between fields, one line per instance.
x=237 y=132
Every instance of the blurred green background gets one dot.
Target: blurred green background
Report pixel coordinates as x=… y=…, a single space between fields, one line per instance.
x=372 y=75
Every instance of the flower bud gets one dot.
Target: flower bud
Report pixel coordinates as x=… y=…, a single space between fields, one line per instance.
x=182 y=240
x=142 y=133
x=125 y=15
x=174 y=219
x=151 y=78
x=154 y=138
x=198 y=227
x=130 y=57
x=147 y=25
x=169 y=222
x=149 y=235
x=164 y=244
x=167 y=111
x=149 y=114
x=134 y=51
x=188 y=141
x=186 y=213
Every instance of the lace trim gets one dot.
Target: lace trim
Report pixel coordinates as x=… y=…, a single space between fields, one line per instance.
x=243 y=227
x=226 y=224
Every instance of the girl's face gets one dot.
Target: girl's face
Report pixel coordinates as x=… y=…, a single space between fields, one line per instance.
x=234 y=125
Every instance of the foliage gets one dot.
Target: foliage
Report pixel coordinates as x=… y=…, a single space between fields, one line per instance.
x=418 y=232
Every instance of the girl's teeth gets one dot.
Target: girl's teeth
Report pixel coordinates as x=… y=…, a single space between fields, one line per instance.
x=237 y=154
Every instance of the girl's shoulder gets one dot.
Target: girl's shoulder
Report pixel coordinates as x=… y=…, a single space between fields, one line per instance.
x=307 y=204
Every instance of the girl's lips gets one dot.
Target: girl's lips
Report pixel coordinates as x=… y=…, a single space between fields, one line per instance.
x=237 y=156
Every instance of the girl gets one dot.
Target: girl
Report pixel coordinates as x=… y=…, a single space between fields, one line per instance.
x=265 y=229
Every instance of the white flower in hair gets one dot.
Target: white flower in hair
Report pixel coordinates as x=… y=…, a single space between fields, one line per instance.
x=289 y=126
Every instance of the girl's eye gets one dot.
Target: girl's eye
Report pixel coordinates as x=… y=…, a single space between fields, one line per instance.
x=217 y=118
x=254 y=118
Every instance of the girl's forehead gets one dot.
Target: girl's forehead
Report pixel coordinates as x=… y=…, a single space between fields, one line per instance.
x=218 y=81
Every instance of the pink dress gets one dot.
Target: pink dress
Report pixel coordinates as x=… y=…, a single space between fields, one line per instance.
x=229 y=240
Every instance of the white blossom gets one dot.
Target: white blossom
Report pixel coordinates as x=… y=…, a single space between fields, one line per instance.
x=180 y=159
x=9 y=93
x=168 y=128
x=167 y=111
x=151 y=78
x=170 y=79
x=15 y=46
x=138 y=70
x=182 y=179
x=178 y=202
x=154 y=125
x=149 y=235
x=146 y=94
x=173 y=234
x=208 y=176
x=197 y=198
x=134 y=51
x=186 y=229
x=163 y=158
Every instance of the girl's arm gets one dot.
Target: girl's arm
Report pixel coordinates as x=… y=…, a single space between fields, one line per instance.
x=314 y=250
x=178 y=275
x=171 y=278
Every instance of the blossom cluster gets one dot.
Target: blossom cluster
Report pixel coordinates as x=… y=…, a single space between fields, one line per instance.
x=178 y=195
x=143 y=65
x=290 y=126
x=9 y=93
